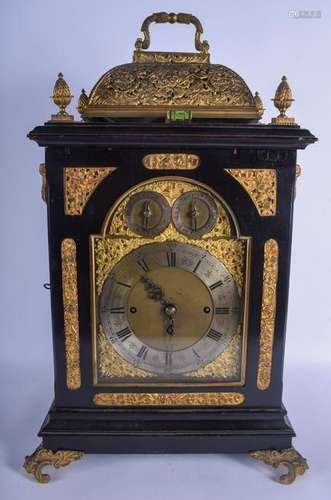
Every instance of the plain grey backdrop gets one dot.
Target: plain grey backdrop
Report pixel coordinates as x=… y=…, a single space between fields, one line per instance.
x=261 y=41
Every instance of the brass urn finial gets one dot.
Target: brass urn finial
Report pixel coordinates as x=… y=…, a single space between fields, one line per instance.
x=62 y=98
x=258 y=104
x=282 y=101
x=82 y=102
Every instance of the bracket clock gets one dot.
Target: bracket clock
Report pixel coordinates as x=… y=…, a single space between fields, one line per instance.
x=169 y=218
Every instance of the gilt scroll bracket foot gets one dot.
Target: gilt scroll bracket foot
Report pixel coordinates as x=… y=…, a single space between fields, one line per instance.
x=288 y=457
x=43 y=457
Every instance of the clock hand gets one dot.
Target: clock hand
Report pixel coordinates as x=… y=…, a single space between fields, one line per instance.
x=170 y=330
x=194 y=214
x=147 y=212
x=170 y=311
x=155 y=292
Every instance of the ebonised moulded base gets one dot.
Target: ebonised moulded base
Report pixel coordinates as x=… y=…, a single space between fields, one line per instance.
x=265 y=434
x=166 y=430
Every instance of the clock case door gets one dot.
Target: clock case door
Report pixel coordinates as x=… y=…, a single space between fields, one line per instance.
x=74 y=421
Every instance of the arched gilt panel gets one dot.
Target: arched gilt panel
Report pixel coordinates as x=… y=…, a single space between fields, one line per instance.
x=79 y=184
x=261 y=185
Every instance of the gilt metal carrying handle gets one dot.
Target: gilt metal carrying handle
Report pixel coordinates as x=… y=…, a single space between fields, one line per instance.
x=164 y=17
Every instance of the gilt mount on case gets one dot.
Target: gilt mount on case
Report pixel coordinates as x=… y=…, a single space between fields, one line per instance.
x=170 y=222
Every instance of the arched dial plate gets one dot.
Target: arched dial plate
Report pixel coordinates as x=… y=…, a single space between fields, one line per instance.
x=194 y=213
x=147 y=213
x=169 y=307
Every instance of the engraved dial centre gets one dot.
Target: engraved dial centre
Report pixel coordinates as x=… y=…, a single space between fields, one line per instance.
x=185 y=297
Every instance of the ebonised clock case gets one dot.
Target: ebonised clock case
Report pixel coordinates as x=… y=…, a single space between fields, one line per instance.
x=73 y=421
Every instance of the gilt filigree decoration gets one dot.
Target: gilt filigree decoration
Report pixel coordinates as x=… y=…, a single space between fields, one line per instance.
x=118 y=240
x=169 y=399
x=288 y=457
x=159 y=82
x=175 y=84
x=79 y=184
x=111 y=365
x=227 y=365
x=261 y=185
x=171 y=161
x=70 y=311
x=268 y=313
x=108 y=251
x=170 y=57
x=43 y=457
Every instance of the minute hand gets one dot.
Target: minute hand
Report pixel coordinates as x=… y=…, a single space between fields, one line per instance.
x=170 y=311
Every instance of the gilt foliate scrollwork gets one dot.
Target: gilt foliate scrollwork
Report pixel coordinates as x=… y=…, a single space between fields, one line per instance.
x=79 y=184
x=44 y=457
x=261 y=185
x=118 y=240
x=169 y=399
x=70 y=312
x=288 y=457
x=171 y=161
x=111 y=364
x=227 y=365
x=268 y=313
x=176 y=84
x=170 y=57
x=107 y=251
x=159 y=82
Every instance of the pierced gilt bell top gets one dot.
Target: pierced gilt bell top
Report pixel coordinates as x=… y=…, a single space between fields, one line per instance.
x=157 y=84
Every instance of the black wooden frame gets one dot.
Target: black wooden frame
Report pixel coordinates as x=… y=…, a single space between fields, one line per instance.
x=74 y=422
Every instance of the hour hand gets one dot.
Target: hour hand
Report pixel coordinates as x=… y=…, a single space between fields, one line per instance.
x=154 y=292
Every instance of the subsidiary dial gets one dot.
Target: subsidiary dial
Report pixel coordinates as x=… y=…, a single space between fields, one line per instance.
x=147 y=213
x=194 y=214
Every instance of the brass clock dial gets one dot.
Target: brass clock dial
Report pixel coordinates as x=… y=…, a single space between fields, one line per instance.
x=194 y=213
x=169 y=307
x=147 y=213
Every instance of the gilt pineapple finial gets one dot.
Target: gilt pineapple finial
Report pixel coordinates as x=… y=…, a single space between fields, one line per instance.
x=258 y=104
x=282 y=101
x=62 y=98
x=82 y=102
